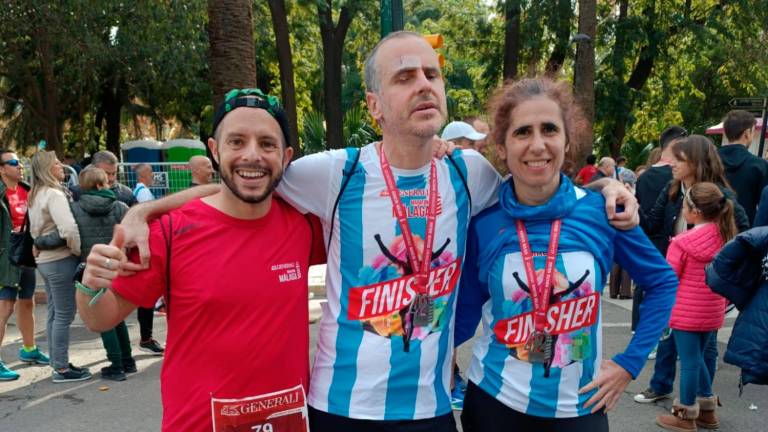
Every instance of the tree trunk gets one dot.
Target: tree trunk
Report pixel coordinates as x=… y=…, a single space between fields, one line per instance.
x=511 y=38
x=53 y=133
x=563 y=33
x=232 y=56
x=617 y=130
x=112 y=100
x=285 y=60
x=584 y=78
x=333 y=46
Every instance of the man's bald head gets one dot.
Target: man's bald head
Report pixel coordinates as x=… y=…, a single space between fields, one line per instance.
x=372 y=78
x=201 y=169
x=607 y=165
x=144 y=174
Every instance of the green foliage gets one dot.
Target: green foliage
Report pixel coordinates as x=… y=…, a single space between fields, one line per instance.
x=313 y=133
x=705 y=52
x=155 y=52
x=358 y=131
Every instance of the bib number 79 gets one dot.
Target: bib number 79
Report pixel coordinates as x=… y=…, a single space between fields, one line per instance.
x=266 y=427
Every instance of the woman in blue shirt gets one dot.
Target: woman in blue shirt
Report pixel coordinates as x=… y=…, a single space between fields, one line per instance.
x=538 y=364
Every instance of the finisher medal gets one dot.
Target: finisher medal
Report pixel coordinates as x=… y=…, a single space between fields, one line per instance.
x=421 y=310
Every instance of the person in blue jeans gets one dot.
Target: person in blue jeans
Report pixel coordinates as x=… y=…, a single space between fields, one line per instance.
x=694 y=161
x=665 y=367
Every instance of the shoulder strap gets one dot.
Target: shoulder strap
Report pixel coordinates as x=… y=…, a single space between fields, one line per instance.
x=348 y=173
x=138 y=189
x=463 y=181
x=25 y=226
x=168 y=237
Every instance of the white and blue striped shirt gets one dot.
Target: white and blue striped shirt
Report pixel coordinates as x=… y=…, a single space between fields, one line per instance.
x=361 y=369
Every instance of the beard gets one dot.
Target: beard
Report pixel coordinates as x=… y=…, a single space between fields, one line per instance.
x=274 y=181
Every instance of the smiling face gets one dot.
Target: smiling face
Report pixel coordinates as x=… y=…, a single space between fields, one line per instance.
x=411 y=98
x=534 y=148
x=251 y=153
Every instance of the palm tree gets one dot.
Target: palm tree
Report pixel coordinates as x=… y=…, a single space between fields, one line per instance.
x=233 y=57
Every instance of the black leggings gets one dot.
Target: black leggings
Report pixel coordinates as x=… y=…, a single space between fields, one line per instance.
x=320 y=421
x=484 y=413
x=145 y=317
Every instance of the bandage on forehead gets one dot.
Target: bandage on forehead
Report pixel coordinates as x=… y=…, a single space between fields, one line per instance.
x=252 y=98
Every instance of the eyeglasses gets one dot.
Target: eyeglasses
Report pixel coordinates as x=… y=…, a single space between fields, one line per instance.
x=11 y=162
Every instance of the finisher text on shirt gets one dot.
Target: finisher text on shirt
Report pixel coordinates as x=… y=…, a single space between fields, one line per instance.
x=385 y=298
x=562 y=318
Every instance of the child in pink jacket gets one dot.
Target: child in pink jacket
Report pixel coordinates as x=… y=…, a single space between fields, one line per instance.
x=698 y=312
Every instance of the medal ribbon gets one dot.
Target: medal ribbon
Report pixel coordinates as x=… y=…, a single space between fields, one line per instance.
x=420 y=267
x=539 y=292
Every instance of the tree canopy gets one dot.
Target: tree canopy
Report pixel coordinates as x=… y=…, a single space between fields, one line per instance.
x=86 y=74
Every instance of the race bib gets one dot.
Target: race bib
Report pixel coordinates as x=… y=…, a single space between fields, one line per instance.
x=281 y=411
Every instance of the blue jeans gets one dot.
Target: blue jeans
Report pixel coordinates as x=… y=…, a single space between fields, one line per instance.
x=695 y=376
x=61 y=307
x=666 y=360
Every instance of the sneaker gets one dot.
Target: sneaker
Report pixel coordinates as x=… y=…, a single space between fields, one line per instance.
x=129 y=366
x=152 y=346
x=652 y=354
x=648 y=396
x=113 y=373
x=71 y=375
x=33 y=357
x=78 y=369
x=7 y=374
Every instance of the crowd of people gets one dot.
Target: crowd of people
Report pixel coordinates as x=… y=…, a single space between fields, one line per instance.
x=64 y=223
x=694 y=198
x=422 y=242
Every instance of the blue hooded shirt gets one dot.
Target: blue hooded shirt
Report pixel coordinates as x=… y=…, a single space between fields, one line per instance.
x=494 y=287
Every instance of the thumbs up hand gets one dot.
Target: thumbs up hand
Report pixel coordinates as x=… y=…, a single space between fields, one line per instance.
x=106 y=262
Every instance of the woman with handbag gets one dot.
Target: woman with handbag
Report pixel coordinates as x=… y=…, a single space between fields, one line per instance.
x=49 y=211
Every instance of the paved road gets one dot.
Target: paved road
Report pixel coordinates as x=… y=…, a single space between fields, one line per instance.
x=34 y=403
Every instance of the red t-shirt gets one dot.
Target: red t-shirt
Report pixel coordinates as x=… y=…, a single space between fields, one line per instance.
x=238 y=311
x=586 y=173
x=17 y=200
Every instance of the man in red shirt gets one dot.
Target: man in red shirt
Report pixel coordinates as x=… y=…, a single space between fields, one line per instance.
x=587 y=172
x=233 y=270
x=17 y=284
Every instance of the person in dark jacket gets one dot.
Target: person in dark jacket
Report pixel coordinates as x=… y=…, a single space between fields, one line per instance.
x=761 y=218
x=647 y=190
x=747 y=173
x=655 y=178
x=97 y=212
x=107 y=161
x=17 y=283
x=740 y=274
x=695 y=161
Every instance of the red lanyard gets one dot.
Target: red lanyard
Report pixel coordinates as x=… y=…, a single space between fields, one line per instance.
x=420 y=267
x=539 y=292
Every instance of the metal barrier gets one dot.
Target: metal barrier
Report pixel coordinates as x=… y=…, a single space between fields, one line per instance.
x=169 y=177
